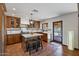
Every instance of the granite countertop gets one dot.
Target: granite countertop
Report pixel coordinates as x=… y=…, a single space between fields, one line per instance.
x=18 y=32
x=47 y=32
x=31 y=35
x=13 y=32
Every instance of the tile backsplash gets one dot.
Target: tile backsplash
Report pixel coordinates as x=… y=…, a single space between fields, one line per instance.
x=24 y=29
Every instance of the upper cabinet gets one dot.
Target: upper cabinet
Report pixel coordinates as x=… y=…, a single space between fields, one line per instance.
x=12 y=22
x=8 y=21
x=2 y=10
x=45 y=26
x=37 y=24
x=17 y=22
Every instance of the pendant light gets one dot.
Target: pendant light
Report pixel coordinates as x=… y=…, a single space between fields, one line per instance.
x=31 y=20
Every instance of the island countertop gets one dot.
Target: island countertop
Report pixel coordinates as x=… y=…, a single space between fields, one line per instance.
x=31 y=35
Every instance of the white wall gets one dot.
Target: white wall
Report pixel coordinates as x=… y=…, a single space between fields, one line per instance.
x=70 y=22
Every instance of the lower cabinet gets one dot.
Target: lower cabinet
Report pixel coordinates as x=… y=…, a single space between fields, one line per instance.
x=44 y=36
x=17 y=38
x=13 y=38
x=10 y=39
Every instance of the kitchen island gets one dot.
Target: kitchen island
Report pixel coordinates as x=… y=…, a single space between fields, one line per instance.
x=26 y=38
x=15 y=36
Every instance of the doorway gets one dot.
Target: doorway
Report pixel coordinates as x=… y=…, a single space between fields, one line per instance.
x=57 y=31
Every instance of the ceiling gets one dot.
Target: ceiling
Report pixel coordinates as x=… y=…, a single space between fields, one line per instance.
x=45 y=10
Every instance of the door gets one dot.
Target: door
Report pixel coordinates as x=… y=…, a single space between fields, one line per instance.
x=57 y=31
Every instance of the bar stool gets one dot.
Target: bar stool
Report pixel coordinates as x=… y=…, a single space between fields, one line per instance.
x=31 y=46
x=39 y=41
x=34 y=43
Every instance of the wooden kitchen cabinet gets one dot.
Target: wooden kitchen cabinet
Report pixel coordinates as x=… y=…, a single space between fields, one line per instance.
x=37 y=24
x=13 y=38
x=12 y=22
x=44 y=36
x=2 y=11
x=45 y=26
x=17 y=22
x=17 y=38
x=10 y=39
x=2 y=33
x=8 y=22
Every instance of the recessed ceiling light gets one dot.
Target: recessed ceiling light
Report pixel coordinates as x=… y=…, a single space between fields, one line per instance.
x=14 y=8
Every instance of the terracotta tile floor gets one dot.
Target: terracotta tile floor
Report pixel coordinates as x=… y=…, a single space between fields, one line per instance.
x=53 y=49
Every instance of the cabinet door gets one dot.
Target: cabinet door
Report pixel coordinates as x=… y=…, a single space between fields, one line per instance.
x=45 y=37
x=10 y=39
x=17 y=22
x=17 y=38
x=37 y=24
x=12 y=22
x=8 y=22
x=1 y=10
